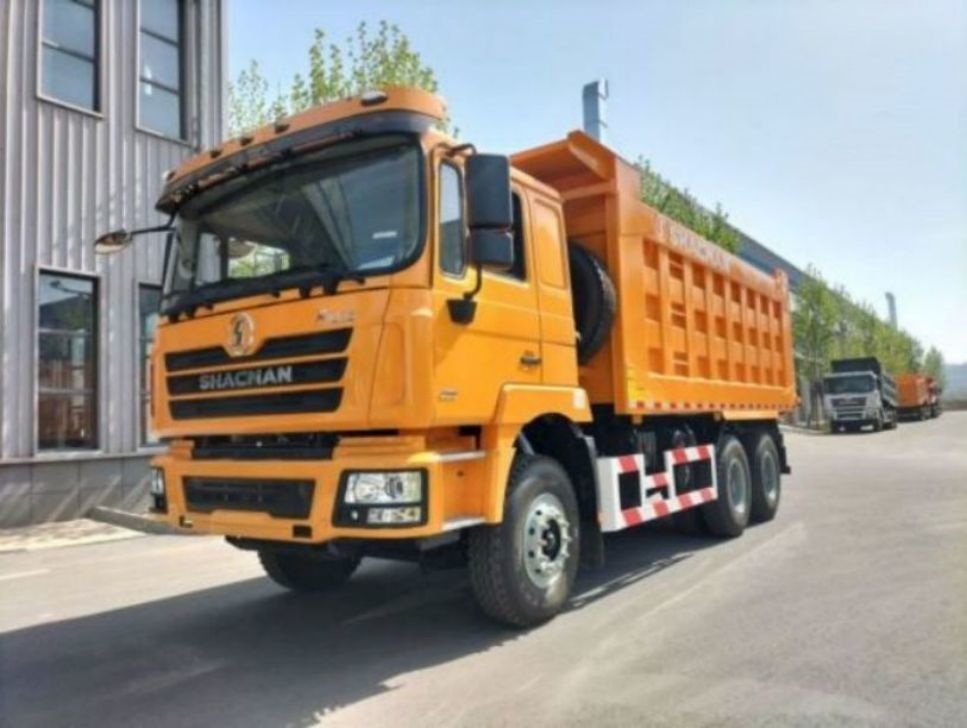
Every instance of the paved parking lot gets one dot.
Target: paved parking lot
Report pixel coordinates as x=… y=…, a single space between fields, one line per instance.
x=850 y=608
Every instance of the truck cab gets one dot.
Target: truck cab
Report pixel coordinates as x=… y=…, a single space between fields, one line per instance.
x=857 y=394
x=323 y=309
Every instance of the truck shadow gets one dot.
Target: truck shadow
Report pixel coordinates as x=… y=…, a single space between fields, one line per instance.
x=248 y=654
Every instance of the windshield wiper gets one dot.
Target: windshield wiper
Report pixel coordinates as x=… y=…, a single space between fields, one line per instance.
x=307 y=277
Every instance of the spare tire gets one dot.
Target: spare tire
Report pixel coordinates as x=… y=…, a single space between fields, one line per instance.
x=593 y=299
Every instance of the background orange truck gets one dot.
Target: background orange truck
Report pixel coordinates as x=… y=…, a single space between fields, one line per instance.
x=381 y=342
x=919 y=396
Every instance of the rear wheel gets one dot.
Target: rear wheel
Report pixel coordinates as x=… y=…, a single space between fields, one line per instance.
x=689 y=521
x=766 y=479
x=523 y=569
x=305 y=572
x=728 y=515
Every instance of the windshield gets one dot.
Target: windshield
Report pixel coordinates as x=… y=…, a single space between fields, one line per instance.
x=351 y=210
x=852 y=384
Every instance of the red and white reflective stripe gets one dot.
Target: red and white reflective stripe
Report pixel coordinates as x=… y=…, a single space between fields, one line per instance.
x=697 y=406
x=684 y=455
x=656 y=505
x=630 y=464
x=658 y=509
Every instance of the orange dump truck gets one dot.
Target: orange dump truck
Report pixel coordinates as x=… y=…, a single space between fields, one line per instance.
x=378 y=341
x=917 y=396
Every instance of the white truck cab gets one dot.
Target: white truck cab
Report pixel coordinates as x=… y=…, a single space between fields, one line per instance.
x=859 y=393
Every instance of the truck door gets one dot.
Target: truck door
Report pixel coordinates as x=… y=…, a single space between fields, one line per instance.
x=502 y=344
x=554 y=294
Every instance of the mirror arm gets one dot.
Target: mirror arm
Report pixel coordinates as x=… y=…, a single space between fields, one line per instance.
x=471 y=294
x=156 y=228
x=461 y=148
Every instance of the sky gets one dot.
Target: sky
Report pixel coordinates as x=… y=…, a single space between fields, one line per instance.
x=834 y=131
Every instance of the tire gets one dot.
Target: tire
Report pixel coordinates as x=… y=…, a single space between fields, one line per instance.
x=688 y=522
x=540 y=530
x=766 y=479
x=593 y=299
x=728 y=515
x=306 y=573
x=878 y=423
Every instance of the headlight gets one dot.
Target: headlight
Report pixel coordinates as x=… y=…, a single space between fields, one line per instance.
x=157 y=484
x=380 y=499
x=405 y=486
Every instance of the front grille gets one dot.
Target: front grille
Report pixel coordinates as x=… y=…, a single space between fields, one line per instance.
x=313 y=372
x=849 y=402
x=293 y=446
x=280 y=498
x=314 y=400
x=272 y=374
x=324 y=342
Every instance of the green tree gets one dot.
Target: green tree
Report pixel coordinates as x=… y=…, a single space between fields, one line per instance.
x=933 y=366
x=364 y=61
x=682 y=207
x=815 y=324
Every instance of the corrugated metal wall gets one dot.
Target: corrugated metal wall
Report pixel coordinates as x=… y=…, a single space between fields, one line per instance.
x=68 y=175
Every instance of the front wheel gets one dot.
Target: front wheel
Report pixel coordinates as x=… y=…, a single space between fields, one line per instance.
x=728 y=515
x=306 y=572
x=523 y=569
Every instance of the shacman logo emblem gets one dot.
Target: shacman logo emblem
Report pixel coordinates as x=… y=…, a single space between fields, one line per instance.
x=241 y=335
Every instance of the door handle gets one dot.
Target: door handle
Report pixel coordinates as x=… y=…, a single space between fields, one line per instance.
x=530 y=359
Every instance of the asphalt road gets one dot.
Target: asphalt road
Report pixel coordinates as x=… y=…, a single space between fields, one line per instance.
x=849 y=609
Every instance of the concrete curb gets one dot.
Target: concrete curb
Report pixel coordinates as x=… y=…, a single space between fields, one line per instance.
x=802 y=430
x=136 y=522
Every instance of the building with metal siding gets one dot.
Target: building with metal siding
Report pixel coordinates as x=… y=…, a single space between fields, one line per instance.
x=99 y=98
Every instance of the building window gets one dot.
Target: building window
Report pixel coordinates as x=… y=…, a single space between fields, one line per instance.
x=161 y=74
x=149 y=304
x=69 y=52
x=67 y=363
x=452 y=238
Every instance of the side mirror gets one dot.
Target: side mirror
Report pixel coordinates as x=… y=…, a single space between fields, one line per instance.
x=490 y=217
x=112 y=242
x=492 y=248
x=488 y=192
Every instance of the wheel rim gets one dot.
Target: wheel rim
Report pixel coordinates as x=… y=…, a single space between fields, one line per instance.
x=738 y=485
x=547 y=538
x=770 y=477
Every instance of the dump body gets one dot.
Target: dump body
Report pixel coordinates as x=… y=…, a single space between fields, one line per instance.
x=697 y=329
x=912 y=390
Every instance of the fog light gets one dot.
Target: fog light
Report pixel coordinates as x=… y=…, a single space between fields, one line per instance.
x=394 y=516
x=157 y=484
x=389 y=487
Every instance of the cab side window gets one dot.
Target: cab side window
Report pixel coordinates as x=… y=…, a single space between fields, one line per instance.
x=452 y=237
x=519 y=269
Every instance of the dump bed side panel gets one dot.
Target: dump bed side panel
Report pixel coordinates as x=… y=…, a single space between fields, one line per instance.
x=912 y=390
x=697 y=329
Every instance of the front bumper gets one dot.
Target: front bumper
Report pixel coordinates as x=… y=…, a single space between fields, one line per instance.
x=454 y=494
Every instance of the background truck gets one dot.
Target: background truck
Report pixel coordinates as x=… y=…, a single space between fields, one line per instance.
x=379 y=342
x=914 y=396
x=859 y=392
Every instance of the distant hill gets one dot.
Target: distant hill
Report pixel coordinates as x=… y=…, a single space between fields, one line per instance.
x=956 y=382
